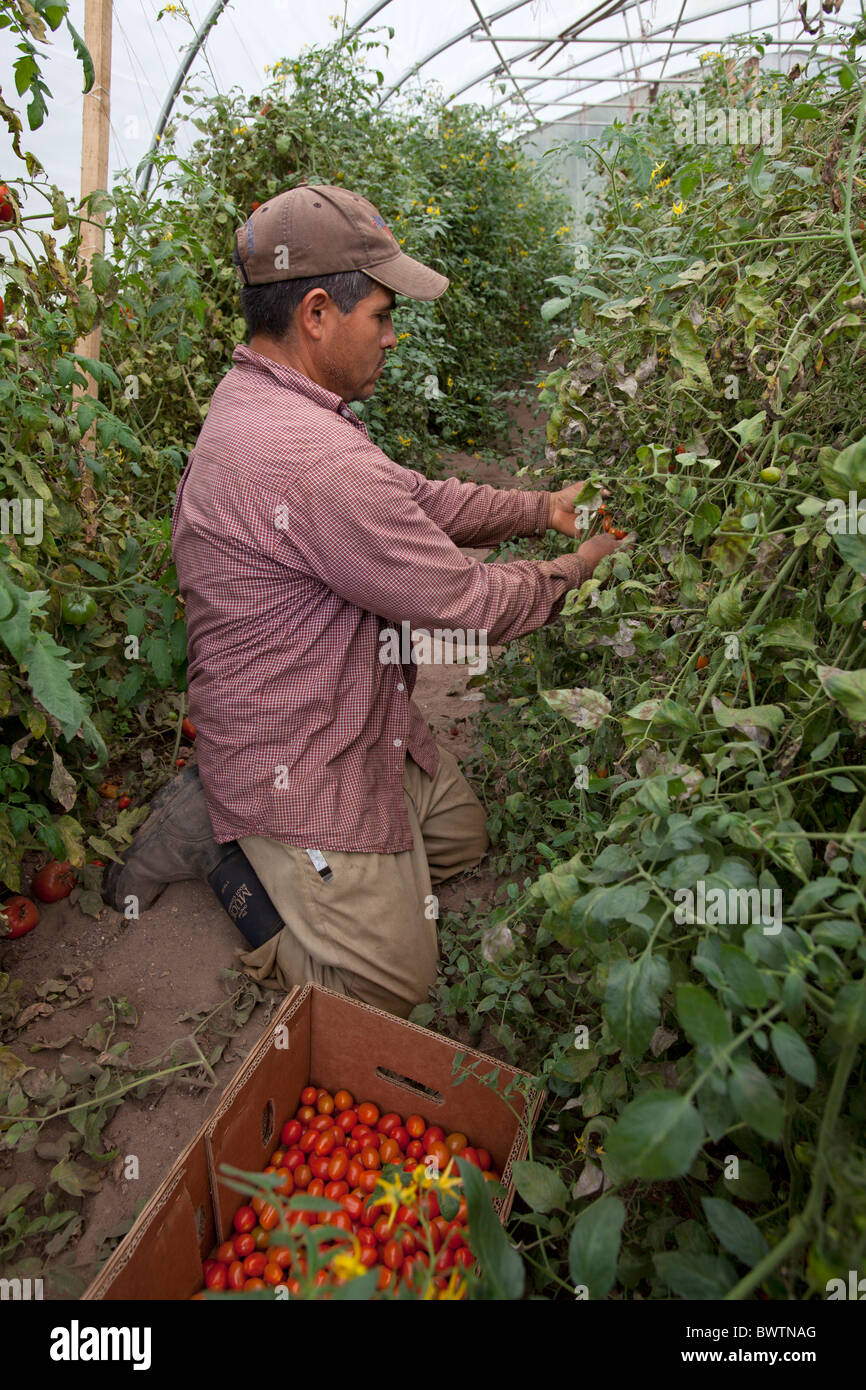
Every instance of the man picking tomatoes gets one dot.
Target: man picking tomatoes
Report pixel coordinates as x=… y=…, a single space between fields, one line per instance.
x=297 y=541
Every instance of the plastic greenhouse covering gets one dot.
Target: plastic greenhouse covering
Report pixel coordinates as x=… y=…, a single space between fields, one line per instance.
x=549 y=64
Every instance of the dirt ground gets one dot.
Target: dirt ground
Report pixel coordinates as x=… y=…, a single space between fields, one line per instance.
x=167 y=965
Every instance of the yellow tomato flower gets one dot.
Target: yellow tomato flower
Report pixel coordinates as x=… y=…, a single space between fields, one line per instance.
x=678 y=207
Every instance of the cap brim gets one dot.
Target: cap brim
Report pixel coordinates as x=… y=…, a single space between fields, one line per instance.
x=407 y=276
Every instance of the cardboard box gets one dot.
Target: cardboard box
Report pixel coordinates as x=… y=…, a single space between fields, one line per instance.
x=323 y=1039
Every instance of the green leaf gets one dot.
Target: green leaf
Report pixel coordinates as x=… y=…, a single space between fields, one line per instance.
x=539 y=1185
x=695 y=1276
x=703 y=1019
x=755 y=1100
x=632 y=1002
x=793 y=1054
x=593 y=1248
x=735 y=1230
x=706 y=518
x=13 y=1197
x=743 y=977
x=750 y=431
x=584 y=707
x=502 y=1266
x=843 y=932
x=752 y=1184
x=73 y=1177
x=848 y=688
x=551 y=307
x=814 y=892
x=657 y=1136
x=619 y=903
x=685 y=346
x=83 y=53
x=805 y=111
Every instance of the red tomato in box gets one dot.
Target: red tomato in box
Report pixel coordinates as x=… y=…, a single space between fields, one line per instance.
x=431 y=1136
x=325 y=1103
x=352 y=1147
x=217 y=1278
x=370 y=1158
x=269 y=1217
x=319 y=1166
x=383 y=1228
x=392 y=1255
x=309 y=1095
x=244 y=1245
x=416 y=1126
x=308 y=1141
x=305 y=1114
x=471 y=1156
x=390 y=1151
x=415 y=1149
x=401 y=1136
x=244 y=1219
x=352 y=1203
x=368 y=1113
x=347 y=1119
x=456 y=1236
x=322 y=1124
x=302 y=1176
x=368 y=1256
x=388 y=1122
x=293 y=1159
x=343 y=1101
x=484 y=1160
x=236 y=1278
x=290 y=1134
x=338 y=1165
x=409 y=1242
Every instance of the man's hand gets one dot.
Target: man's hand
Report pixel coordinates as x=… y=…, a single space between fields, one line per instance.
x=561 y=515
x=597 y=547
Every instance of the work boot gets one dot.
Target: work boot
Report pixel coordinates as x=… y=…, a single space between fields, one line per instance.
x=176 y=842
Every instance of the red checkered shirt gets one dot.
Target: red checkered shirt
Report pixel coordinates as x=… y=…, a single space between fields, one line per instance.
x=296 y=541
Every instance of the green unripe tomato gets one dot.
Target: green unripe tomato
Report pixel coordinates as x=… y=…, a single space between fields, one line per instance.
x=77 y=608
x=770 y=475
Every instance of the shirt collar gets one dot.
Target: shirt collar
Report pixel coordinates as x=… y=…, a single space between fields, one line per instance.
x=295 y=381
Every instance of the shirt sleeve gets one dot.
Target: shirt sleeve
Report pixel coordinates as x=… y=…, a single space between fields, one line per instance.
x=357 y=525
x=476 y=513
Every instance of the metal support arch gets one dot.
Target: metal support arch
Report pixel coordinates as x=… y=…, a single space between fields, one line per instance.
x=180 y=77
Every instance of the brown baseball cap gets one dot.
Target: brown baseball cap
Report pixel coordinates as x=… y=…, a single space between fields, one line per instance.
x=320 y=230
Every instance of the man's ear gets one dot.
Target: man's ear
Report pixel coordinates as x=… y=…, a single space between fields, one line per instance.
x=309 y=317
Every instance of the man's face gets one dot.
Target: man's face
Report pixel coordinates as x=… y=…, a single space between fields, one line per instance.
x=354 y=345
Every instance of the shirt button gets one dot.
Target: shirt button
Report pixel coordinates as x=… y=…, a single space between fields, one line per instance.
x=401 y=686
x=397 y=742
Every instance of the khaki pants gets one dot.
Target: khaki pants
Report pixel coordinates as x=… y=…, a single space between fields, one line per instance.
x=370 y=932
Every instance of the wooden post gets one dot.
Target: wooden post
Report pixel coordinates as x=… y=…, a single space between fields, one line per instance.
x=95 y=134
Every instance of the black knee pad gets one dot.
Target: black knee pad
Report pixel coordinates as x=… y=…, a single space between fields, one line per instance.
x=242 y=894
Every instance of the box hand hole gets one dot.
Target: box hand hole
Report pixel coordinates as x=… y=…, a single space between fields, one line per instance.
x=425 y=1093
x=268 y=1123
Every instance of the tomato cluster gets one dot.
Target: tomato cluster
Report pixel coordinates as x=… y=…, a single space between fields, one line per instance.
x=358 y=1158
x=608 y=526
